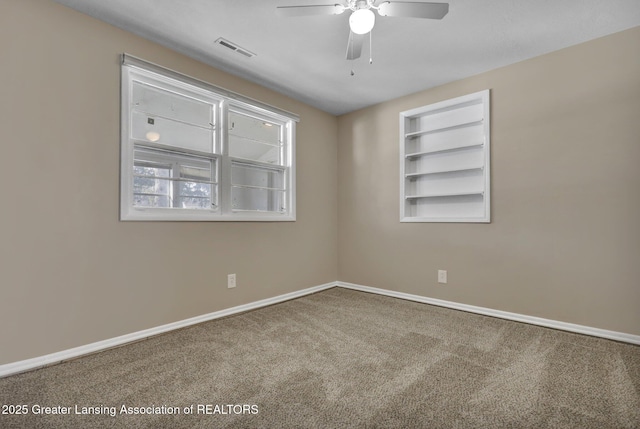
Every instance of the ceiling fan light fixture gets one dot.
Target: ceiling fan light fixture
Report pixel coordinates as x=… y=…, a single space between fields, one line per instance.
x=362 y=20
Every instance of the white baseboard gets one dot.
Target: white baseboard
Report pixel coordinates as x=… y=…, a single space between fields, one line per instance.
x=580 y=329
x=53 y=358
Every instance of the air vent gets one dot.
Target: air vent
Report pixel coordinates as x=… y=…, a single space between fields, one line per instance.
x=230 y=45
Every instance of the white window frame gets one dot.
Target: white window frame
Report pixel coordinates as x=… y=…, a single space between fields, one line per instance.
x=134 y=69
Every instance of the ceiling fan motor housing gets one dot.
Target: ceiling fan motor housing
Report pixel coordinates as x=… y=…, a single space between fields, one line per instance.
x=360 y=4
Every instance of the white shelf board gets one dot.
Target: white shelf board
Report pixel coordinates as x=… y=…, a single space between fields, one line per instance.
x=415 y=134
x=450 y=149
x=444 y=194
x=453 y=170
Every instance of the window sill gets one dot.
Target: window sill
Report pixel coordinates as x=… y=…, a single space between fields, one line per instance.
x=198 y=216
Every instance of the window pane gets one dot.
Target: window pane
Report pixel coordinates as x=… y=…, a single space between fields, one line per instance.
x=249 y=175
x=170 y=132
x=140 y=200
x=150 y=188
x=169 y=118
x=254 y=129
x=197 y=172
x=254 y=139
x=257 y=199
x=195 y=189
x=196 y=203
x=197 y=195
x=149 y=169
x=167 y=179
x=152 y=101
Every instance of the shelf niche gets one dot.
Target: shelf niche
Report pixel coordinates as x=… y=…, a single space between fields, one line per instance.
x=445 y=161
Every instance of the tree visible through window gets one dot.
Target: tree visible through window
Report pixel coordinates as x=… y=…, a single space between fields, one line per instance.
x=150 y=186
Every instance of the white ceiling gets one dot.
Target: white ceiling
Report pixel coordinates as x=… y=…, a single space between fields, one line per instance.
x=304 y=57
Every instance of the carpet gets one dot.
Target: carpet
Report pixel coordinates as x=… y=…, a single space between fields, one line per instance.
x=339 y=359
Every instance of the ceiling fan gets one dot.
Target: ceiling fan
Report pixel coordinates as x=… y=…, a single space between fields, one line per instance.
x=362 y=17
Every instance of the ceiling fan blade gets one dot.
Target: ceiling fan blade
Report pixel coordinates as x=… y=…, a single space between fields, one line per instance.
x=414 y=10
x=329 y=9
x=354 y=47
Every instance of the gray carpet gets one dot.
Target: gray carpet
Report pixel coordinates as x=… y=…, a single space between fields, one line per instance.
x=341 y=359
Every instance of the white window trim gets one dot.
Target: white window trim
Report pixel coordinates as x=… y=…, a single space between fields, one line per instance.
x=225 y=100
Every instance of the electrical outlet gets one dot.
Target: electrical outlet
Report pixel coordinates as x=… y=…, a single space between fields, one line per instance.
x=442 y=276
x=231 y=281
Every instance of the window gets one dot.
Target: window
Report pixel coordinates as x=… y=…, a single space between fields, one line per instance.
x=444 y=161
x=192 y=151
x=257 y=150
x=167 y=180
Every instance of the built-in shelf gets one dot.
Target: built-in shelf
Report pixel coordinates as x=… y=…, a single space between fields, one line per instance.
x=446 y=147
x=453 y=170
x=415 y=134
x=449 y=149
x=444 y=195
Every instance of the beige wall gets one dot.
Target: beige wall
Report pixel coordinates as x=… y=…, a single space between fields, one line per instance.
x=564 y=242
x=71 y=273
